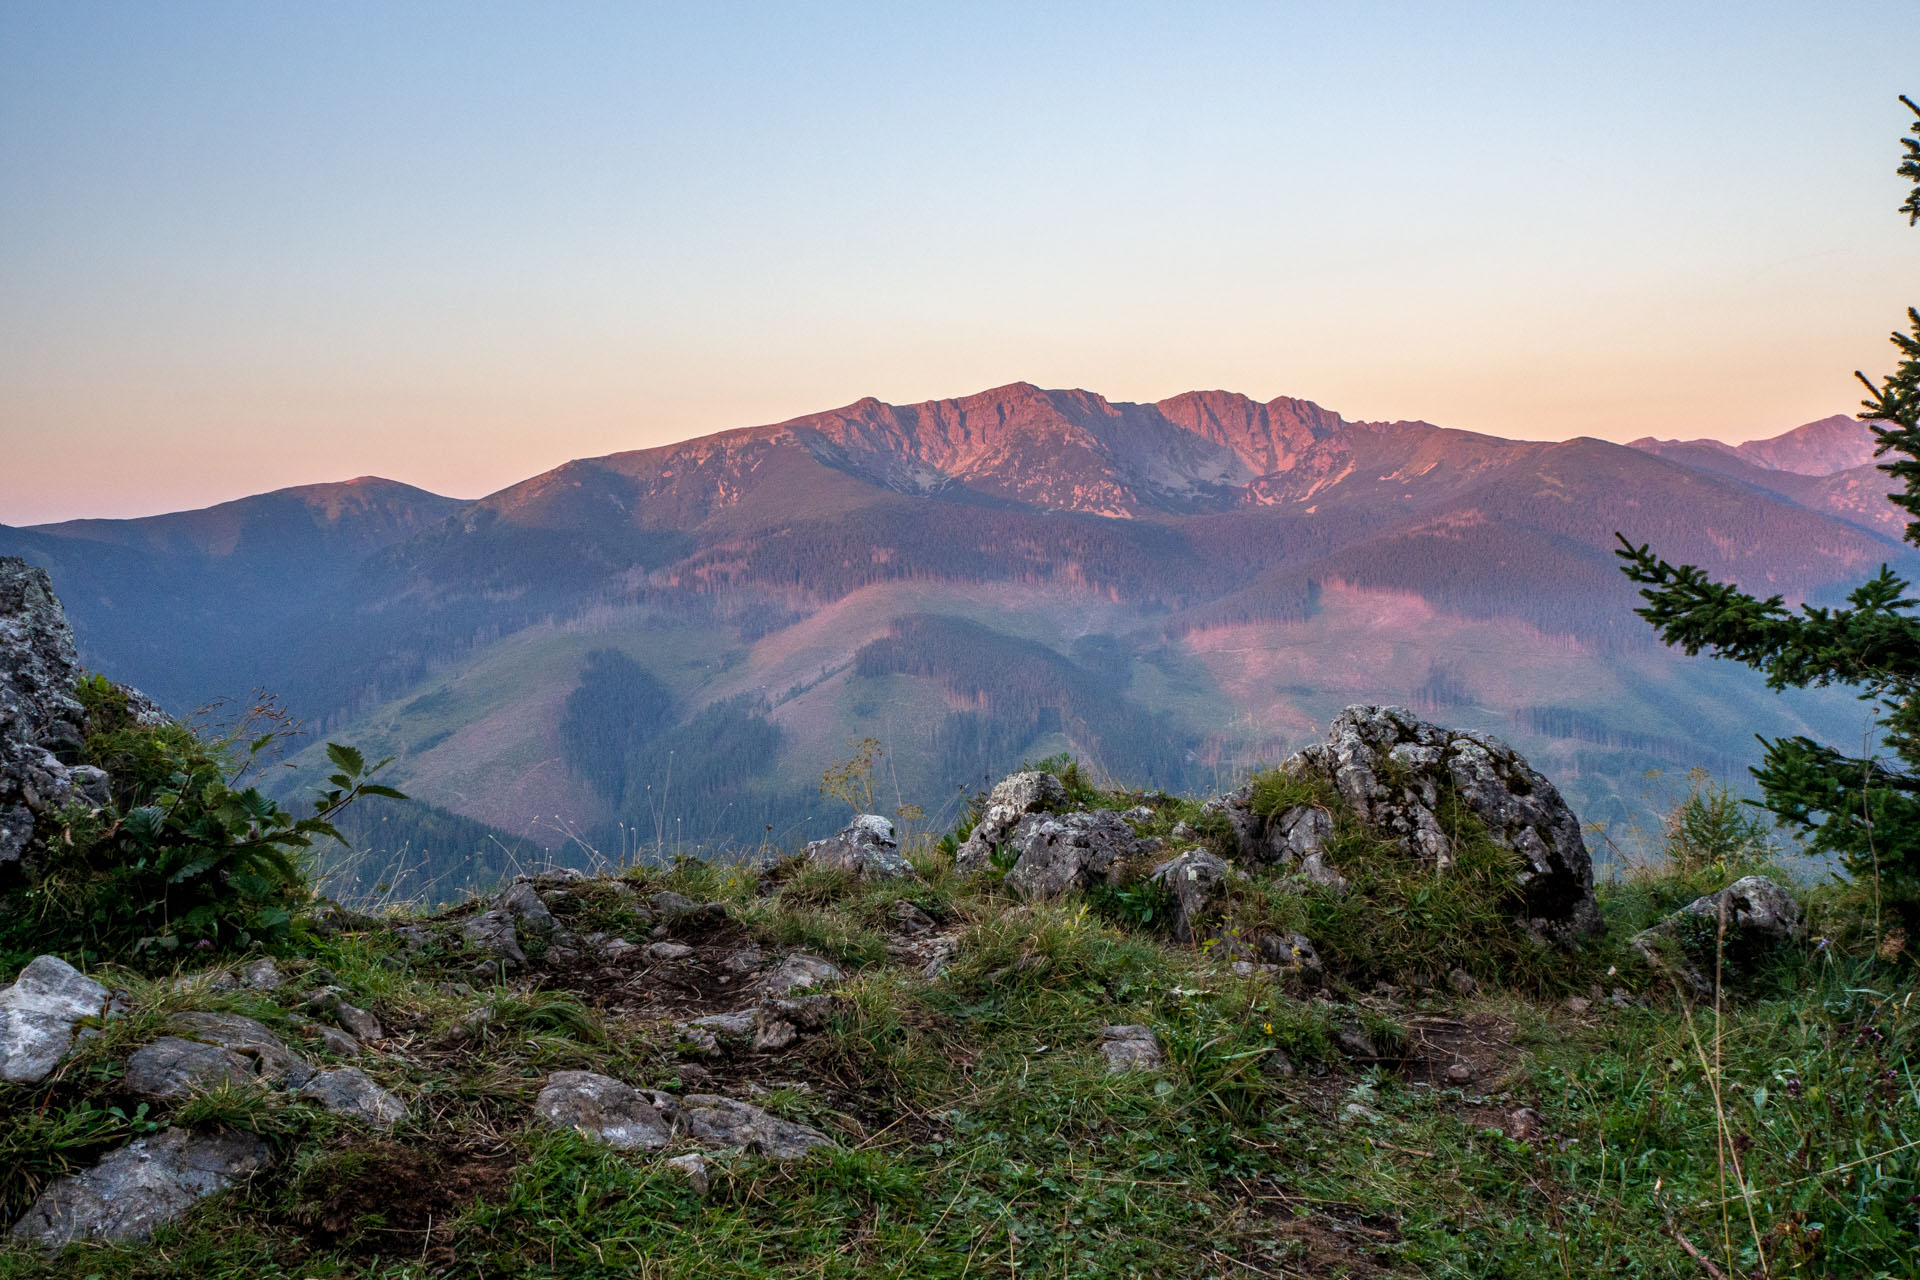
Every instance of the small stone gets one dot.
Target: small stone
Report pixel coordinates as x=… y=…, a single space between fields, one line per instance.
x=692 y=1167
x=910 y=919
x=356 y=1021
x=866 y=848
x=1523 y=1124
x=1577 y=1005
x=271 y=1060
x=724 y=1123
x=1131 y=1048
x=493 y=932
x=349 y=1091
x=171 y=1068
x=522 y=902
x=666 y=952
x=262 y=975
x=1459 y=1073
x=800 y=971
x=667 y=902
x=745 y=961
x=337 y=1042
x=1462 y=982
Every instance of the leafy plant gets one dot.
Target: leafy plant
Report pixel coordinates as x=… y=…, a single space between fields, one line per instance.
x=184 y=854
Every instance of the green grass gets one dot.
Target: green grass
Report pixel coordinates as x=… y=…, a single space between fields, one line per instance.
x=980 y=1132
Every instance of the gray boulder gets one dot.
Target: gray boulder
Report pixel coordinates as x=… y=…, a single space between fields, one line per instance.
x=866 y=848
x=493 y=933
x=604 y=1109
x=141 y=1186
x=1012 y=799
x=1199 y=884
x=1759 y=915
x=350 y=1091
x=40 y=1016
x=1392 y=768
x=1058 y=853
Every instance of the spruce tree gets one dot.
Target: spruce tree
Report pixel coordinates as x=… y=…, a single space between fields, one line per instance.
x=1865 y=809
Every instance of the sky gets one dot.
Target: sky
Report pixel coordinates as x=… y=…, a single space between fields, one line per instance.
x=244 y=246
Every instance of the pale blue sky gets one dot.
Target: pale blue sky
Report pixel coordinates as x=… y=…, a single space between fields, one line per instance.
x=249 y=245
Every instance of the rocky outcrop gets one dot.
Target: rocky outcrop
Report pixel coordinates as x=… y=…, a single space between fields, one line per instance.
x=139 y=1187
x=1394 y=770
x=1059 y=852
x=1011 y=800
x=40 y=1016
x=866 y=848
x=1758 y=916
x=38 y=712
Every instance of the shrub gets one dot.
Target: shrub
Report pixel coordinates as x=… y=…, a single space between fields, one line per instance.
x=183 y=854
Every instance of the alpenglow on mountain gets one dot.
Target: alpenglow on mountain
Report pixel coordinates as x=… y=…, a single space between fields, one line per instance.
x=668 y=646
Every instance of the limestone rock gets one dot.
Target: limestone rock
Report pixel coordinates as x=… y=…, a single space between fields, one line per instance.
x=798 y=972
x=1131 y=1048
x=493 y=933
x=522 y=901
x=909 y=919
x=1759 y=914
x=1070 y=851
x=1391 y=767
x=1294 y=955
x=271 y=1061
x=261 y=975
x=350 y=1091
x=711 y=1121
x=667 y=952
x=329 y=1002
x=866 y=848
x=1199 y=884
x=693 y=1167
x=173 y=1068
x=141 y=1186
x=1012 y=799
x=602 y=1108
x=40 y=1015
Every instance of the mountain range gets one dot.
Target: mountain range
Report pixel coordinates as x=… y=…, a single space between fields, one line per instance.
x=670 y=645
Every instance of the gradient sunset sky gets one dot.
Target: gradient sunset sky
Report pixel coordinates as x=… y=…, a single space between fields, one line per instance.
x=250 y=245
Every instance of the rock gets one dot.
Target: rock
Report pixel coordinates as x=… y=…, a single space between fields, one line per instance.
x=522 y=902
x=1199 y=883
x=143 y=1185
x=414 y=938
x=798 y=972
x=746 y=961
x=337 y=1041
x=1131 y=1048
x=714 y=1122
x=1139 y=813
x=1070 y=851
x=669 y=903
x=493 y=933
x=40 y=1015
x=38 y=673
x=1012 y=799
x=693 y=1167
x=1391 y=768
x=1459 y=1073
x=1523 y=1124
x=1295 y=956
x=357 y=1022
x=261 y=975
x=1462 y=982
x=271 y=1060
x=1760 y=916
x=944 y=950
x=773 y=1035
x=328 y=918
x=666 y=952
x=349 y=1091
x=602 y=1108
x=909 y=919
x=1577 y=1005
x=172 y=1068
x=1351 y=1039
x=866 y=848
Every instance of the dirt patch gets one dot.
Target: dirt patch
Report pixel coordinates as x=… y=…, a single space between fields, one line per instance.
x=638 y=986
x=1475 y=1054
x=383 y=1197
x=1282 y=1233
